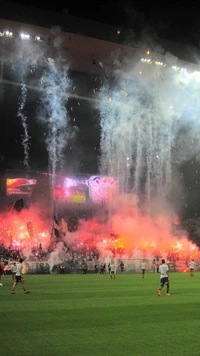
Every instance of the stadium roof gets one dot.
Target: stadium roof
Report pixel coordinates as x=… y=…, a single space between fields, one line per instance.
x=89 y=38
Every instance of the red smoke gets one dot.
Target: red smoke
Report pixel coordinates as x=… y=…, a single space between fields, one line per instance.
x=24 y=230
x=125 y=234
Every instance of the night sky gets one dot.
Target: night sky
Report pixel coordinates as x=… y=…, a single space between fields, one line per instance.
x=82 y=151
x=175 y=20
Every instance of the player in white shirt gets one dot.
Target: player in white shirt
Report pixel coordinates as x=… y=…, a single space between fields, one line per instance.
x=164 y=278
x=192 y=266
x=143 y=267
x=14 y=270
x=19 y=278
x=112 y=271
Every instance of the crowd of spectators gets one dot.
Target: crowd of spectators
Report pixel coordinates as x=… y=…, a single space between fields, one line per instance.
x=9 y=254
x=73 y=256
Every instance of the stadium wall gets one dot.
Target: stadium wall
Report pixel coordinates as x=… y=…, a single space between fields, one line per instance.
x=131 y=265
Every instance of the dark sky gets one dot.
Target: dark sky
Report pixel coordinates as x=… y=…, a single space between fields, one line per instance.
x=178 y=20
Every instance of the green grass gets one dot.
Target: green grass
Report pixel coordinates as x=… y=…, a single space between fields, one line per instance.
x=90 y=315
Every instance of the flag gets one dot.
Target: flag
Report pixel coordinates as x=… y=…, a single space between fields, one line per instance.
x=64 y=226
x=11 y=206
x=56 y=227
x=29 y=226
x=16 y=205
x=19 y=205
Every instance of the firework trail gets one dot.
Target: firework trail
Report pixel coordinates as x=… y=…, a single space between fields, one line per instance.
x=20 y=114
x=54 y=100
x=143 y=125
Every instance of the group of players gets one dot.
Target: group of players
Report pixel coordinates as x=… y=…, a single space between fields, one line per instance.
x=17 y=276
x=164 y=275
x=163 y=270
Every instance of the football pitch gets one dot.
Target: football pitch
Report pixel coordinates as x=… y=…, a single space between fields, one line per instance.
x=93 y=315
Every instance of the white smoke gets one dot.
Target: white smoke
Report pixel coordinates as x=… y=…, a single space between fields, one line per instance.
x=142 y=115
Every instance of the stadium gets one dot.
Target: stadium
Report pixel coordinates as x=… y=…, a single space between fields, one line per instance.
x=110 y=146
x=99 y=182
